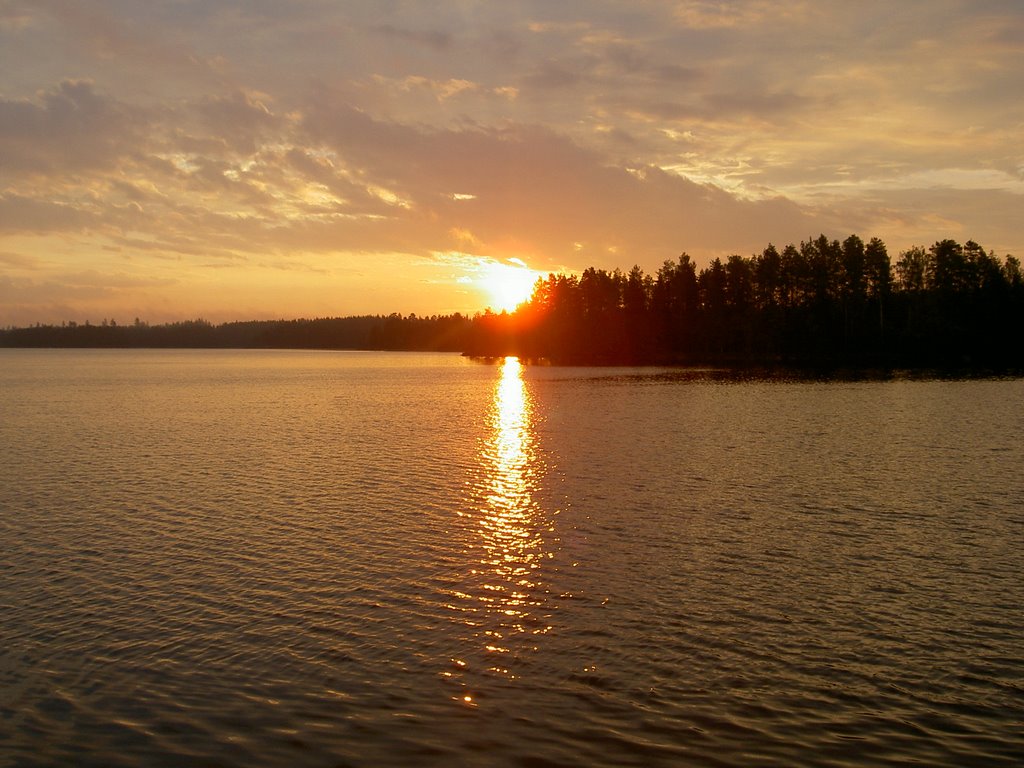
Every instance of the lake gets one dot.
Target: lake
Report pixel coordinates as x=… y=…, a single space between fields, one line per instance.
x=265 y=558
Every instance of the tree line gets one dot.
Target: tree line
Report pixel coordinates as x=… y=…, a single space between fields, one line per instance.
x=445 y=333
x=822 y=302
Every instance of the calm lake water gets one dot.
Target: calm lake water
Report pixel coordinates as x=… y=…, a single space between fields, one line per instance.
x=336 y=558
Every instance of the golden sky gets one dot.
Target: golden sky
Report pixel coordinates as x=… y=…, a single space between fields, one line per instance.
x=174 y=159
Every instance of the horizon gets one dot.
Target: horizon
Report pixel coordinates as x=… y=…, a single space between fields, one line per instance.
x=174 y=162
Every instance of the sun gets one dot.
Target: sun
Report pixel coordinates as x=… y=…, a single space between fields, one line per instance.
x=507 y=283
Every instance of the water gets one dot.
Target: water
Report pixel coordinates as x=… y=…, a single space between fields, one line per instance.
x=330 y=559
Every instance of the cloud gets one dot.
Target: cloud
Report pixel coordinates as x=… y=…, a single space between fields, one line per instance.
x=439 y=40
x=109 y=35
x=924 y=216
x=18 y=260
x=76 y=296
x=65 y=129
x=537 y=191
x=21 y=215
x=713 y=14
x=241 y=119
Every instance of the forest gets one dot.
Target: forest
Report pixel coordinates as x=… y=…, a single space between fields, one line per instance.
x=448 y=333
x=822 y=302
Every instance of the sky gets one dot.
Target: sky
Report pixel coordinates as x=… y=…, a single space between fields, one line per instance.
x=178 y=159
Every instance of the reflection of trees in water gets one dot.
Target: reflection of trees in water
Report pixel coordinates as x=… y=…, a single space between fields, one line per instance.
x=503 y=599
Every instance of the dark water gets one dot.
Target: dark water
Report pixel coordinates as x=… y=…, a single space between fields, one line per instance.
x=331 y=559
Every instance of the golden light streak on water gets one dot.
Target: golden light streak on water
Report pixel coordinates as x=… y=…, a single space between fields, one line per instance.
x=508 y=596
x=512 y=545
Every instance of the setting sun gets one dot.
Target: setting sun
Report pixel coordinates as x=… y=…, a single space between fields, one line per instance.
x=507 y=284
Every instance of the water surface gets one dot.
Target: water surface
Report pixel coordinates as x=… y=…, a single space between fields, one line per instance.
x=324 y=559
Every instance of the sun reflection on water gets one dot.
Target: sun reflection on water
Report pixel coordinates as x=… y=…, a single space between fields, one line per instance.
x=508 y=538
x=503 y=601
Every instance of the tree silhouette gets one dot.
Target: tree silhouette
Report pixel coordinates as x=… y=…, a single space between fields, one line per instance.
x=820 y=302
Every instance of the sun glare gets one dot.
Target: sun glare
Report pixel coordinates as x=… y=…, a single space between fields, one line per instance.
x=507 y=283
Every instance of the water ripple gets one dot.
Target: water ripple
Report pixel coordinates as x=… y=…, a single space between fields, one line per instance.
x=330 y=559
